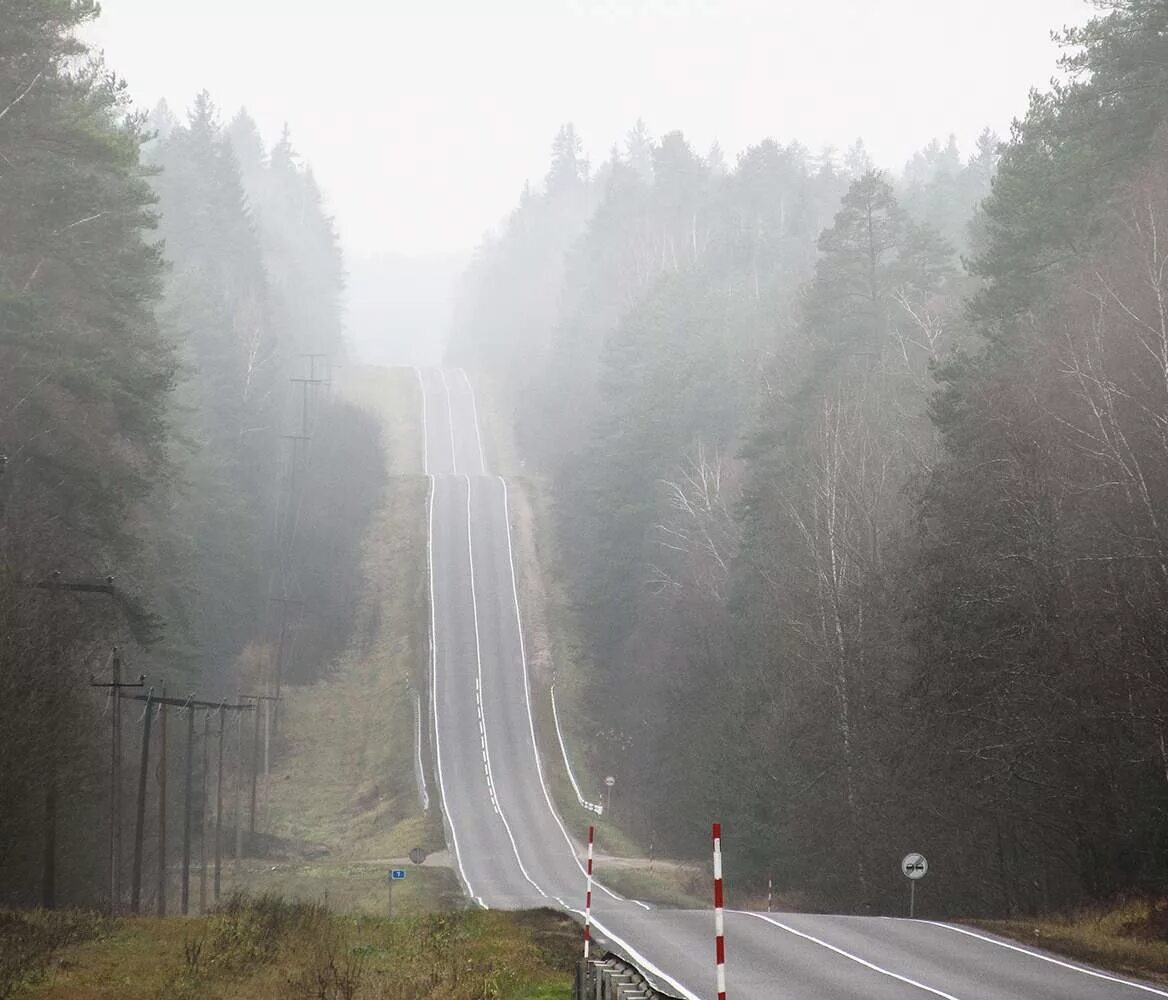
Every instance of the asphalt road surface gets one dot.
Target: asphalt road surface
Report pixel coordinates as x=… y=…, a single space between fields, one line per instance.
x=511 y=849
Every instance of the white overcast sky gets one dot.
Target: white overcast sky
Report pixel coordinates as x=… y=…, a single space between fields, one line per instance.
x=422 y=120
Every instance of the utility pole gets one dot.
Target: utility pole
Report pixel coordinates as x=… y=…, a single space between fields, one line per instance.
x=190 y=705
x=203 y=815
x=312 y=359
x=290 y=518
x=140 y=819
x=49 y=873
x=115 y=826
x=238 y=788
x=162 y=702
x=304 y=384
x=284 y=602
x=219 y=807
x=224 y=708
x=185 y=894
x=267 y=699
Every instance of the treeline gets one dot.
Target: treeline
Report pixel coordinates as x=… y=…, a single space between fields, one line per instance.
x=861 y=487
x=162 y=283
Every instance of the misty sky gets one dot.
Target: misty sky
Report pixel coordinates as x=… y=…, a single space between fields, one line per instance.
x=423 y=120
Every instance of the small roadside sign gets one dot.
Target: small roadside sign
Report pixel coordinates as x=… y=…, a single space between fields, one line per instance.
x=914 y=866
x=397 y=874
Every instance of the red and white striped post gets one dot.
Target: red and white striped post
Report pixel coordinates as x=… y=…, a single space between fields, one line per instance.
x=719 y=925
x=588 y=899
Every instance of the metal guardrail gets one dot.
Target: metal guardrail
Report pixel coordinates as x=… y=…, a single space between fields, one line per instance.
x=610 y=977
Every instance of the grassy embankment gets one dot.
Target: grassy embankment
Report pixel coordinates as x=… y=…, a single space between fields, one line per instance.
x=1130 y=937
x=343 y=785
x=556 y=656
x=267 y=949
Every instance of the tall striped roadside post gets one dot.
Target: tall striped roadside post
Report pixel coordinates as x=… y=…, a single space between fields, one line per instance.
x=588 y=898
x=719 y=925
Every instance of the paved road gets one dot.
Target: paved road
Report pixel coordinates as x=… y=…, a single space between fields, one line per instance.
x=511 y=849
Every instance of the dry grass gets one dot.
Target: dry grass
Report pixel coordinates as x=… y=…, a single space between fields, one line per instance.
x=347 y=887
x=666 y=883
x=344 y=775
x=1130 y=937
x=265 y=947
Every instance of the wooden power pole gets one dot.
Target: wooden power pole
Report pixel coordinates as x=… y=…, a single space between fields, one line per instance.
x=190 y=705
x=188 y=796
x=161 y=910
x=140 y=815
x=115 y=685
x=203 y=815
x=219 y=808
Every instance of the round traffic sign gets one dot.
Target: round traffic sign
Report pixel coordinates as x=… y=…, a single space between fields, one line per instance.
x=914 y=866
x=610 y=781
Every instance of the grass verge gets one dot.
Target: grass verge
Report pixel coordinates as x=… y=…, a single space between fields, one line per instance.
x=343 y=782
x=666 y=883
x=1130 y=937
x=349 y=887
x=266 y=947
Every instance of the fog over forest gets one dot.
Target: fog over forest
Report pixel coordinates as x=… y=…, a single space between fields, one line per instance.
x=840 y=458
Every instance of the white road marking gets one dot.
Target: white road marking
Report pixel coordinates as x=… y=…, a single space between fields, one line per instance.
x=848 y=955
x=635 y=955
x=527 y=692
x=425 y=431
x=419 y=768
x=474 y=406
x=1047 y=958
x=591 y=807
x=450 y=420
x=479 y=661
x=434 y=688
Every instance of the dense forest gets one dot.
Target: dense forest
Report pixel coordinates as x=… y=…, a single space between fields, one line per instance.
x=169 y=314
x=862 y=478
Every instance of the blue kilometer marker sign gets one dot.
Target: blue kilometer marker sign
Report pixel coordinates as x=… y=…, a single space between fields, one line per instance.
x=397 y=874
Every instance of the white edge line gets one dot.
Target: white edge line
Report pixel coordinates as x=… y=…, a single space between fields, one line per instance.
x=423 y=793
x=449 y=822
x=590 y=806
x=636 y=956
x=474 y=407
x=479 y=657
x=527 y=693
x=425 y=431
x=450 y=421
x=847 y=954
x=1047 y=958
